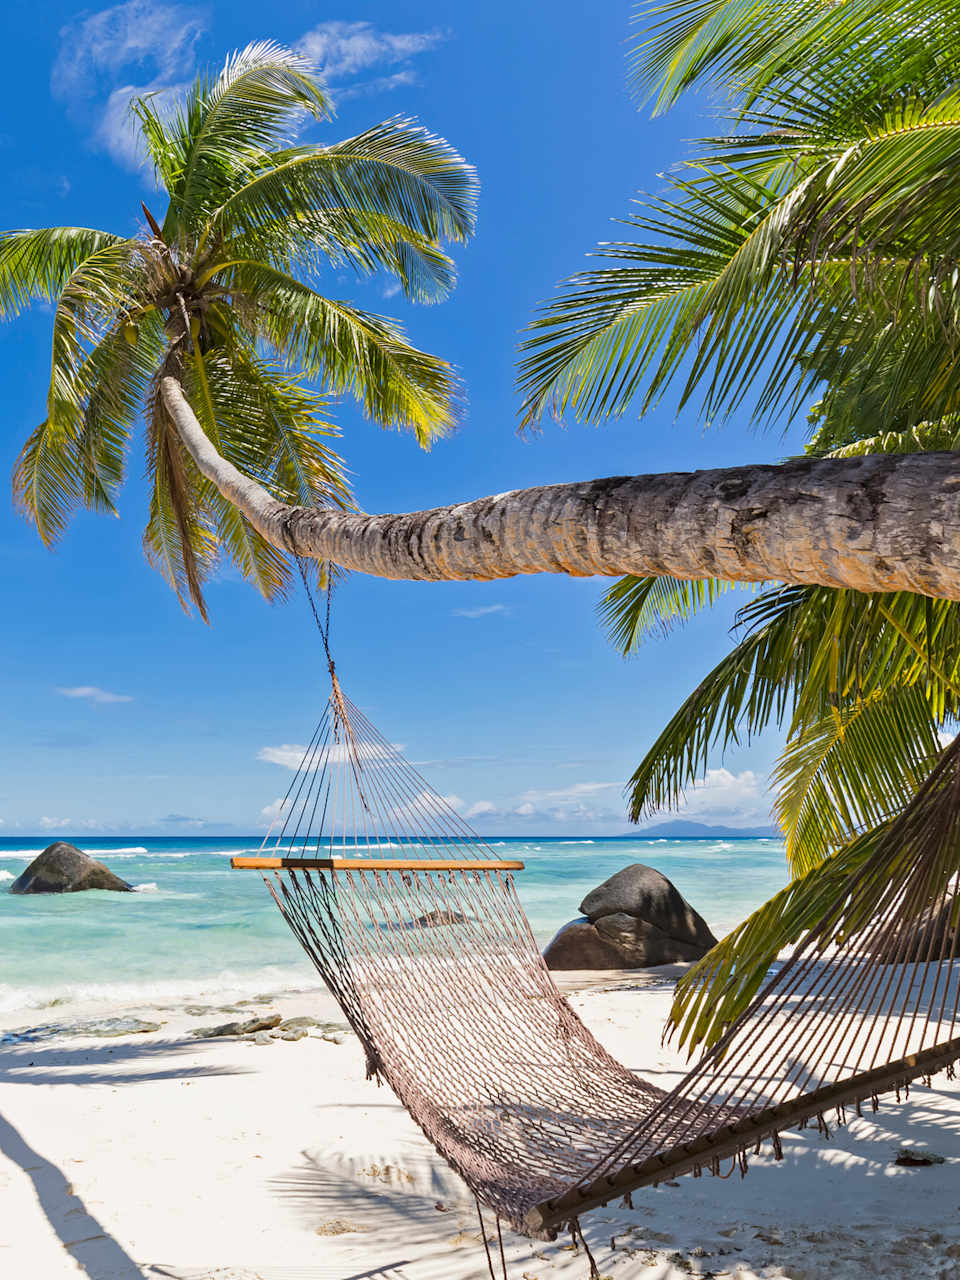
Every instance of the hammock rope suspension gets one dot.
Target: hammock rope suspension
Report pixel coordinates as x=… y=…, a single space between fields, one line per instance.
x=414 y=923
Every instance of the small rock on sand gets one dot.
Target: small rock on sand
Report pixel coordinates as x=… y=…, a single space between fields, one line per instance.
x=252 y=1027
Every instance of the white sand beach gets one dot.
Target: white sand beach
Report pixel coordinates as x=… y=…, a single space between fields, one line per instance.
x=159 y=1154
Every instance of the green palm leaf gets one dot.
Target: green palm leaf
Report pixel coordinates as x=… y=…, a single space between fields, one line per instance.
x=804 y=652
x=37 y=264
x=721 y=985
x=397 y=170
x=851 y=770
x=351 y=350
x=222 y=282
x=227 y=125
x=634 y=607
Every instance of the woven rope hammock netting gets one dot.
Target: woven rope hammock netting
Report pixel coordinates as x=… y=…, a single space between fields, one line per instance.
x=439 y=975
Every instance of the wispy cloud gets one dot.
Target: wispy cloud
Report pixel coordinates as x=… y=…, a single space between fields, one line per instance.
x=422 y=809
x=69 y=824
x=275 y=809
x=345 y=50
x=91 y=693
x=576 y=791
x=578 y=806
x=380 y=84
x=720 y=796
x=453 y=762
x=738 y=797
x=293 y=755
x=109 y=57
x=184 y=819
x=139 y=33
x=481 y=611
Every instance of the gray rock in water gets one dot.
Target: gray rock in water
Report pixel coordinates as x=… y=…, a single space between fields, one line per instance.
x=646 y=894
x=634 y=920
x=439 y=917
x=578 y=945
x=641 y=944
x=62 y=868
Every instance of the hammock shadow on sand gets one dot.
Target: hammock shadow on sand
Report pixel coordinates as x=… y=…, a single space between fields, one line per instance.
x=468 y=1028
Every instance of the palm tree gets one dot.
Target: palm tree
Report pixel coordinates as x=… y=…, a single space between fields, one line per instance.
x=813 y=246
x=206 y=322
x=218 y=295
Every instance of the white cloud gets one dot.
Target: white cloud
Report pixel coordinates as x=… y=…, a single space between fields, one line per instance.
x=481 y=611
x=568 y=807
x=576 y=791
x=343 y=50
x=423 y=807
x=73 y=824
x=102 y=49
x=118 y=132
x=945 y=738
x=292 y=755
x=738 y=797
x=139 y=33
x=482 y=809
x=275 y=809
x=91 y=693
x=380 y=84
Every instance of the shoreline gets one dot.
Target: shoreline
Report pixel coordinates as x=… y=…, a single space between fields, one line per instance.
x=162 y=1154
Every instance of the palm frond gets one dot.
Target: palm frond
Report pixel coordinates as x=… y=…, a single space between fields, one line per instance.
x=273 y=429
x=851 y=770
x=397 y=170
x=350 y=350
x=178 y=540
x=721 y=985
x=76 y=457
x=228 y=125
x=637 y=607
x=711 y=286
x=803 y=652
x=37 y=264
x=366 y=242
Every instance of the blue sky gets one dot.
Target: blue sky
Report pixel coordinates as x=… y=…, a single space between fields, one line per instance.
x=121 y=714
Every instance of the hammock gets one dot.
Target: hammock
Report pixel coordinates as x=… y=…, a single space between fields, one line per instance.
x=414 y=923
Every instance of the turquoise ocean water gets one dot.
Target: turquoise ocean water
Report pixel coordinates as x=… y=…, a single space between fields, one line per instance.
x=194 y=925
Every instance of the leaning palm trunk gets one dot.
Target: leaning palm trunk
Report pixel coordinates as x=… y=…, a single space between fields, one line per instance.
x=879 y=523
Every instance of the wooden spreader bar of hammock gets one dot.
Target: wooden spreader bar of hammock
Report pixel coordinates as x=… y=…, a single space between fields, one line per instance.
x=374 y=864
x=732 y=1138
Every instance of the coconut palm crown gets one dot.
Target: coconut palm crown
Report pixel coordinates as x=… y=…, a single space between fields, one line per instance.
x=222 y=293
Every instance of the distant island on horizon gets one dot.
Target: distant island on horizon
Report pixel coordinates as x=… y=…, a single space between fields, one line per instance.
x=681 y=829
